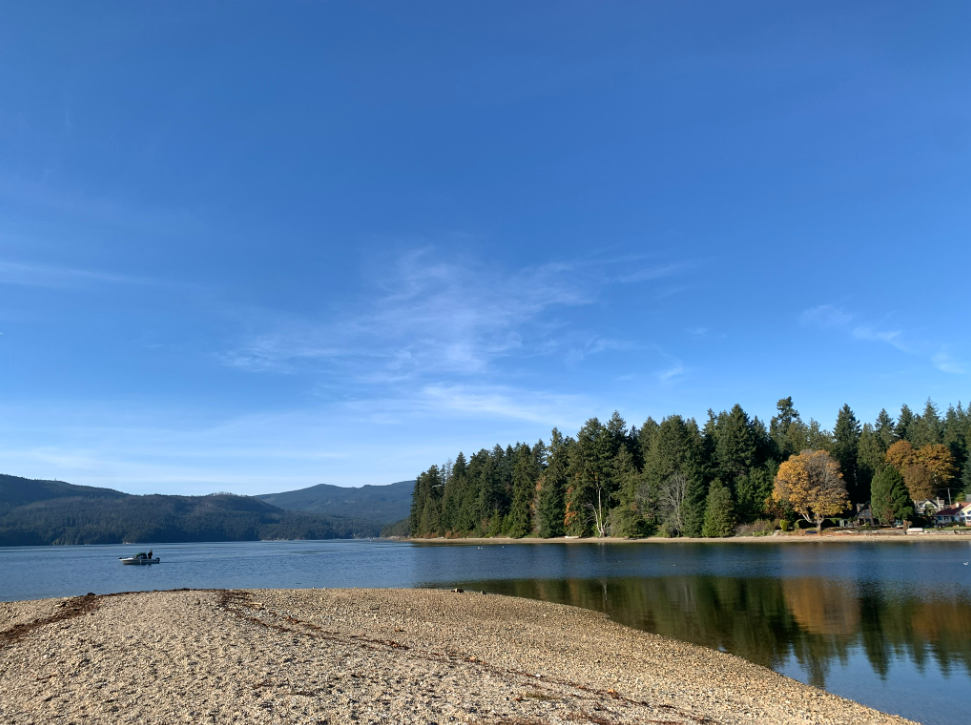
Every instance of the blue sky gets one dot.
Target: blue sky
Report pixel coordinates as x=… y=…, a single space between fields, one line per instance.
x=257 y=246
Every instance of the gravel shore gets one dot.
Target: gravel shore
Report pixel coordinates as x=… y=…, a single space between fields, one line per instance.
x=372 y=656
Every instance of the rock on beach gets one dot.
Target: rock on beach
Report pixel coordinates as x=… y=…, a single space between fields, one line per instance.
x=373 y=656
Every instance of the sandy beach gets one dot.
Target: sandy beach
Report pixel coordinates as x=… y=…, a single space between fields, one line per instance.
x=372 y=656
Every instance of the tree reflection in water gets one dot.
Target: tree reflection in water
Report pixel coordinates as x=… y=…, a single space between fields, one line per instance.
x=769 y=620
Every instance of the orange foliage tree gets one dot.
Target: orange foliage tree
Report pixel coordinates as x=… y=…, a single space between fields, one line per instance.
x=812 y=484
x=925 y=470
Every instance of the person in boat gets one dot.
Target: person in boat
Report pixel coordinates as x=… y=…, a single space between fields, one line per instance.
x=149 y=553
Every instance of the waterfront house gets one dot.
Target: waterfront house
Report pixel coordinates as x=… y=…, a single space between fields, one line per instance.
x=929 y=506
x=956 y=514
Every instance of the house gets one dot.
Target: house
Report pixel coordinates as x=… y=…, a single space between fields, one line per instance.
x=929 y=506
x=959 y=513
x=964 y=513
x=863 y=514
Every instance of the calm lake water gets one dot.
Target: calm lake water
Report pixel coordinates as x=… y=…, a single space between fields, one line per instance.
x=885 y=624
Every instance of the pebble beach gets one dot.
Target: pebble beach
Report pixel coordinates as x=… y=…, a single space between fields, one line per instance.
x=373 y=656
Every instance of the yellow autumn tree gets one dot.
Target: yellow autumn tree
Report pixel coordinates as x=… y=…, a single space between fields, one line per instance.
x=900 y=455
x=812 y=484
x=925 y=470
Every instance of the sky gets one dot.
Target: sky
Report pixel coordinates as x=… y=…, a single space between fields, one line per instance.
x=253 y=247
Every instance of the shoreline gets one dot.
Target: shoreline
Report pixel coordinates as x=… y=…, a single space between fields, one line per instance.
x=788 y=538
x=374 y=656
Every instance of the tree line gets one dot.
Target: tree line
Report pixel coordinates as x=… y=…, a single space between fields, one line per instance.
x=679 y=478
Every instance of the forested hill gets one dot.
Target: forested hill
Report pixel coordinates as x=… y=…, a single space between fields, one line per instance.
x=52 y=512
x=385 y=504
x=679 y=478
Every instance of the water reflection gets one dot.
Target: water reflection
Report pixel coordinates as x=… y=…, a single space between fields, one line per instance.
x=767 y=620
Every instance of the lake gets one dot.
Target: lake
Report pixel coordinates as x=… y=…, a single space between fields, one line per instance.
x=887 y=624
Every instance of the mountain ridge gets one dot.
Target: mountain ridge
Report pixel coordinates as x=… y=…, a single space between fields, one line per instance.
x=41 y=512
x=382 y=503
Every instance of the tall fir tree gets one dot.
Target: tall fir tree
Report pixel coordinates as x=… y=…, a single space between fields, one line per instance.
x=719 y=512
x=928 y=428
x=870 y=455
x=551 y=506
x=889 y=499
x=953 y=434
x=787 y=430
x=885 y=429
x=630 y=517
x=845 y=450
x=525 y=474
x=903 y=430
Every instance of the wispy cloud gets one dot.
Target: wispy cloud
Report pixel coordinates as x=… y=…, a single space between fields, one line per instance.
x=506 y=402
x=671 y=374
x=945 y=362
x=40 y=275
x=436 y=314
x=833 y=317
x=659 y=271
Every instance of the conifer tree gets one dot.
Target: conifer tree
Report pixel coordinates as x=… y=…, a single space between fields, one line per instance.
x=736 y=446
x=673 y=471
x=927 y=428
x=784 y=429
x=753 y=491
x=953 y=434
x=719 y=512
x=645 y=437
x=845 y=449
x=889 y=499
x=630 y=517
x=525 y=474
x=870 y=456
x=885 y=429
x=903 y=430
x=551 y=506
x=593 y=484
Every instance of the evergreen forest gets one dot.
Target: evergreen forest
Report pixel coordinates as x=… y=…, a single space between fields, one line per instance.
x=678 y=478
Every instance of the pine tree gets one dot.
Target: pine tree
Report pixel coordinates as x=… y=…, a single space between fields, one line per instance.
x=953 y=434
x=493 y=501
x=645 y=437
x=551 y=506
x=525 y=474
x=889 y=499
x=719 y=511
x=736 y=445
x=753 y=490
x=845 y=449
x=429 y=521
x=870 y=456
x=673 y=471
x=927 y=428
x=628 y=518
x=903 y=430
x=818 y=438
x=786 y=430
x=885 y=429
x=593 y=482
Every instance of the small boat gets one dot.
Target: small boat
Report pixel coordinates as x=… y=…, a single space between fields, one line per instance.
x=140 y=558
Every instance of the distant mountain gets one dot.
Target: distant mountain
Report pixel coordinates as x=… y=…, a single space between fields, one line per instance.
x=384 y=504
x=53 y=512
